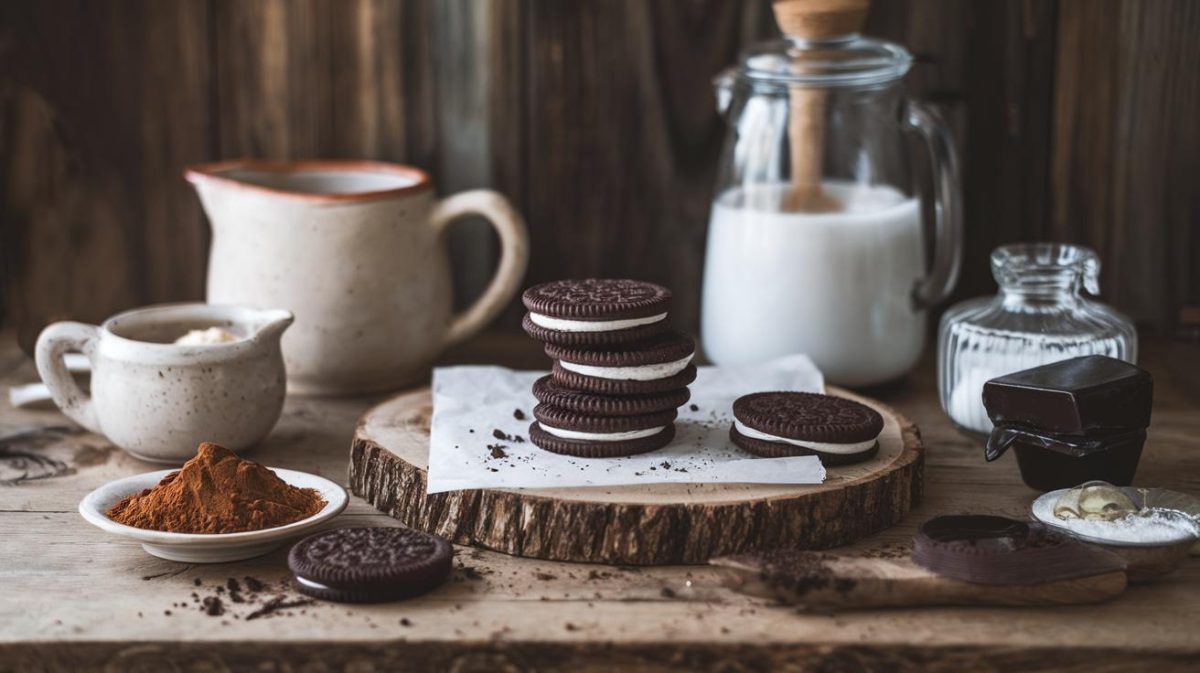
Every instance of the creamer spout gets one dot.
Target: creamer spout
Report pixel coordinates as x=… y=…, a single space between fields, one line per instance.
x=271 y=324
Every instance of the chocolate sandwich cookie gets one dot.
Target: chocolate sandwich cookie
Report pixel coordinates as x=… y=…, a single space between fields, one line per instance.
x=589 y=404
x=779 y=424
x=655 y=365
x=369 y=565
x=559 y=430
x=596 y=311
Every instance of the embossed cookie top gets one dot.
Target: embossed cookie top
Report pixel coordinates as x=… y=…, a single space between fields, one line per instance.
x=356 y=556
x=598 y=299
x=808 y=417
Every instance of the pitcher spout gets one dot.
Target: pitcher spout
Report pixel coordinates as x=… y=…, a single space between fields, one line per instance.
x=272 y=323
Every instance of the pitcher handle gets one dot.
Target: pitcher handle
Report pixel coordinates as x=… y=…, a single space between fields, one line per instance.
x=52 y=344
x=514 y=255
x=937 y=285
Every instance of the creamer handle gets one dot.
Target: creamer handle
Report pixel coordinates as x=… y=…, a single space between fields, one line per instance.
x=53 y=343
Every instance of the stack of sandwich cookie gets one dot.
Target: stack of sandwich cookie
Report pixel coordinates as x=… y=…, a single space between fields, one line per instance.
x=369 y=565
x=779 y=424
x=619 y=374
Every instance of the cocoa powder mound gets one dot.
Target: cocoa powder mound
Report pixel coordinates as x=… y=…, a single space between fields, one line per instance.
x=217 y=492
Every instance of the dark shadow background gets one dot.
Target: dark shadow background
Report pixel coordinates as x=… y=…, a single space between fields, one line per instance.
x=1077 y=120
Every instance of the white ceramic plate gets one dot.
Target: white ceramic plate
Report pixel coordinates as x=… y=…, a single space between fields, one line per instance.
x=202 y=547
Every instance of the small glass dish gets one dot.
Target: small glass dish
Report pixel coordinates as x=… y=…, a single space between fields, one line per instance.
x=1039 y=316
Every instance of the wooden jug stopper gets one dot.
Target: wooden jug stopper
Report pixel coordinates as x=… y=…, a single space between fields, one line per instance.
x=812 y=20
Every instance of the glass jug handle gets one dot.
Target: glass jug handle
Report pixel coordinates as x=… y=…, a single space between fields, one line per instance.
x=936 y=286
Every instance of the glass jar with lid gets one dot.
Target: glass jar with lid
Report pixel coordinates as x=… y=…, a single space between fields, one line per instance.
x=816 y=240
x=1039 y=316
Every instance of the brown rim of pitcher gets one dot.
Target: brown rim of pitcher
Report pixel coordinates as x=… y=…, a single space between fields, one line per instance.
x=211 y=172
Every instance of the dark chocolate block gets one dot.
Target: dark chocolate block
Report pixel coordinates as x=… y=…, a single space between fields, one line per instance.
x=1087 y=395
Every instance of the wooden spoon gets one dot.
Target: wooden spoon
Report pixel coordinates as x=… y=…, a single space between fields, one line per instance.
x=812 y=20
x=814 y=580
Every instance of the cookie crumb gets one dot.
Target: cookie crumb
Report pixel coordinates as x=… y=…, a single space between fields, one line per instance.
x=212 y=606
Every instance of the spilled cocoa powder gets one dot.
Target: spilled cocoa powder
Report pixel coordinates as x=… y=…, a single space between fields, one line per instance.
x=217 y=492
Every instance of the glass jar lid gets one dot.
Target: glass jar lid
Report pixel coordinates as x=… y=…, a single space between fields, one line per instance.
x=846 y=60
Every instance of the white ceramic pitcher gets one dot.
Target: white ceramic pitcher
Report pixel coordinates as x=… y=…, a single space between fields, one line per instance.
x=356 y=250
x=158 y=399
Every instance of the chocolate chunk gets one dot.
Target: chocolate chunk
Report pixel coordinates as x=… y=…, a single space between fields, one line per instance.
x=1091 y=395
x=1071 y=421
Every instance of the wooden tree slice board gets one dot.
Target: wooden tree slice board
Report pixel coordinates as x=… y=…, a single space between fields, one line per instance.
x=656 y=524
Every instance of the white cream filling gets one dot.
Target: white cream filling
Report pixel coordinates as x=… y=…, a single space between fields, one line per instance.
x=602 y=436
x=309 y=583
x=652 y=372
x=824 y=447
x=565 y=325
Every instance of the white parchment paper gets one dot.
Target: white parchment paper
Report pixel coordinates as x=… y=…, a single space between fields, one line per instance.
x=472 y=403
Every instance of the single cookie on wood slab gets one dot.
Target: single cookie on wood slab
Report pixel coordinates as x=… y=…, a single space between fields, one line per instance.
x=595 y=312
x=369 y=565
x=780 y=424
x=589 y=404
x=563 y=431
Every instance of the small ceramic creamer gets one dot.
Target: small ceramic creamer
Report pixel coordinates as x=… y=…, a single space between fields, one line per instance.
x=356 y=249
x=157 y=399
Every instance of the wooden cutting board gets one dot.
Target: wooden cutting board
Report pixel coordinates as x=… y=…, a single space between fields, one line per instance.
x=656 y=524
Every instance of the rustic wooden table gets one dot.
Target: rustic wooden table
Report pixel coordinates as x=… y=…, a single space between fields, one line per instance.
x=74 y=598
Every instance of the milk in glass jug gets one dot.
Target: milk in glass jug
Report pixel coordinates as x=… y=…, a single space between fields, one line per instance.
x=816 y=240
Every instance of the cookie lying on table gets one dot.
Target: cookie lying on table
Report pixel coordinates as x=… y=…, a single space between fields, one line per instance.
x=369 y=565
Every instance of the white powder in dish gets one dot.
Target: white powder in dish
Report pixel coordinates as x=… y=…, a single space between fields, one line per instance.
x=1158 y=526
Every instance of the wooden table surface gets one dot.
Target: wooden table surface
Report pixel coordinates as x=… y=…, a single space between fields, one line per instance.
x=74 y=598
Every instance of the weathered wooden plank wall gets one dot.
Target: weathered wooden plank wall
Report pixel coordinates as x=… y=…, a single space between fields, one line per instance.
x=1076 y=120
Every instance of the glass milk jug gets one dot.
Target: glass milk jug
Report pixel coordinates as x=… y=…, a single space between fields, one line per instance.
x=816 y=241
